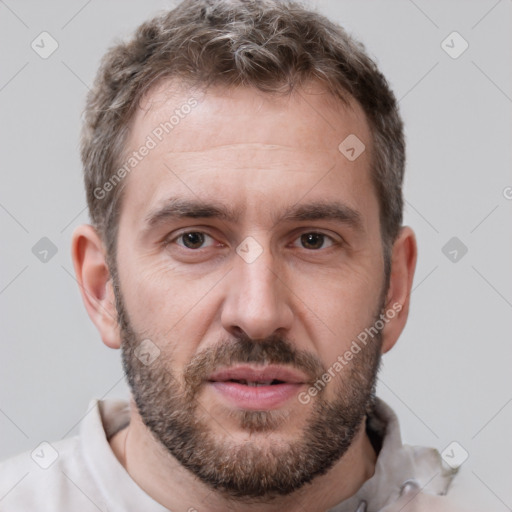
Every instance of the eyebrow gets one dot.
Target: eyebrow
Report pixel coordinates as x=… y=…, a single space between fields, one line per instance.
x=179 y=208
x=329 y=210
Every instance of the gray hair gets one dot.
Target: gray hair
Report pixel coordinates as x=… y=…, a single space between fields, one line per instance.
x=272 y=45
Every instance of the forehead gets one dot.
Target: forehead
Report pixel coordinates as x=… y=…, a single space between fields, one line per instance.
x=242 y=141
x=320 y=118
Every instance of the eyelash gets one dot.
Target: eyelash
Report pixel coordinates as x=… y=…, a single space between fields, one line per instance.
x=333 y=241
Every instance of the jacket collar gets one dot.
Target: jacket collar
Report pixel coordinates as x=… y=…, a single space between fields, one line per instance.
x=399 y=468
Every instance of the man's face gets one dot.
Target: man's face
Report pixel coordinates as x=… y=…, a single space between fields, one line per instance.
x=275 y=290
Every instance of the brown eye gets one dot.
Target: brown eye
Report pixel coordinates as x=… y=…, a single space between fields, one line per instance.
x=193 y=239
x=314 y=241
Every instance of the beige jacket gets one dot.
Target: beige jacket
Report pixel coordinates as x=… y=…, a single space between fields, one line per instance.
x=409 y=478
x=82 y=474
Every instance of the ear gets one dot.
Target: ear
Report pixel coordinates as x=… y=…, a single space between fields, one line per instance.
x=95 y=283
x=403 y=264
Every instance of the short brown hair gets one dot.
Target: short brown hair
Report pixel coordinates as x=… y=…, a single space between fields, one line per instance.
x=272 y=45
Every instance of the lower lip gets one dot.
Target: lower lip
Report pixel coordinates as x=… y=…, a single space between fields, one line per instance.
x=256 y=398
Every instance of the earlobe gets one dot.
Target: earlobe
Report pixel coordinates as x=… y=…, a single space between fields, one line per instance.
x=93 y=276
x=403 y=265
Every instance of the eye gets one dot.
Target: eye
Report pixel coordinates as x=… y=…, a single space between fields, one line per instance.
x=193 y=239
x=315 y=241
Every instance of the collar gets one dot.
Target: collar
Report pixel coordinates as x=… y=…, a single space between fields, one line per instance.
x=400 y=469
x=103 y=419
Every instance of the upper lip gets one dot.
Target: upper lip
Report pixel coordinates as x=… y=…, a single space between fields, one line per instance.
x=259 y=374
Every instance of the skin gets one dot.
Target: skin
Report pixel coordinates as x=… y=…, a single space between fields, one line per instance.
x=247 y=150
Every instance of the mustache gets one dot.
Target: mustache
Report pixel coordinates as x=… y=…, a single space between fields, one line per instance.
x=242 y=349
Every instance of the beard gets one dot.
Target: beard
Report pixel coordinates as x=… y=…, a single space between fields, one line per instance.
x=255 y=469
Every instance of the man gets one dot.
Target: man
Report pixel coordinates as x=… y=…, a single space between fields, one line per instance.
x=243 y=165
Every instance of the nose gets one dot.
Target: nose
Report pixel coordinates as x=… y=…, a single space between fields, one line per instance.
x=257 y=298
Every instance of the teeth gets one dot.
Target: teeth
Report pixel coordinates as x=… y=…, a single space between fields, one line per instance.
x=254 y=384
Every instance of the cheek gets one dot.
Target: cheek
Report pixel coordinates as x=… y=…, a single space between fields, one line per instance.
x=339 y=308
x=168 y=307
x=153 y=288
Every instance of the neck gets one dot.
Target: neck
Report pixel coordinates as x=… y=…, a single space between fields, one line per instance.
x=164 y=479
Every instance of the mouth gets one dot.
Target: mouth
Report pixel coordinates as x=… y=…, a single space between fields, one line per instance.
x=256 y=383
x=257 y=388
x=266 y=375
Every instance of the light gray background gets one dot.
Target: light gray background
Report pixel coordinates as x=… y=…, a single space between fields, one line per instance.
x=448 y=377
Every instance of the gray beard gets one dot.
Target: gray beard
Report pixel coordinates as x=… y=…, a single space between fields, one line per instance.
x=170 y=408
